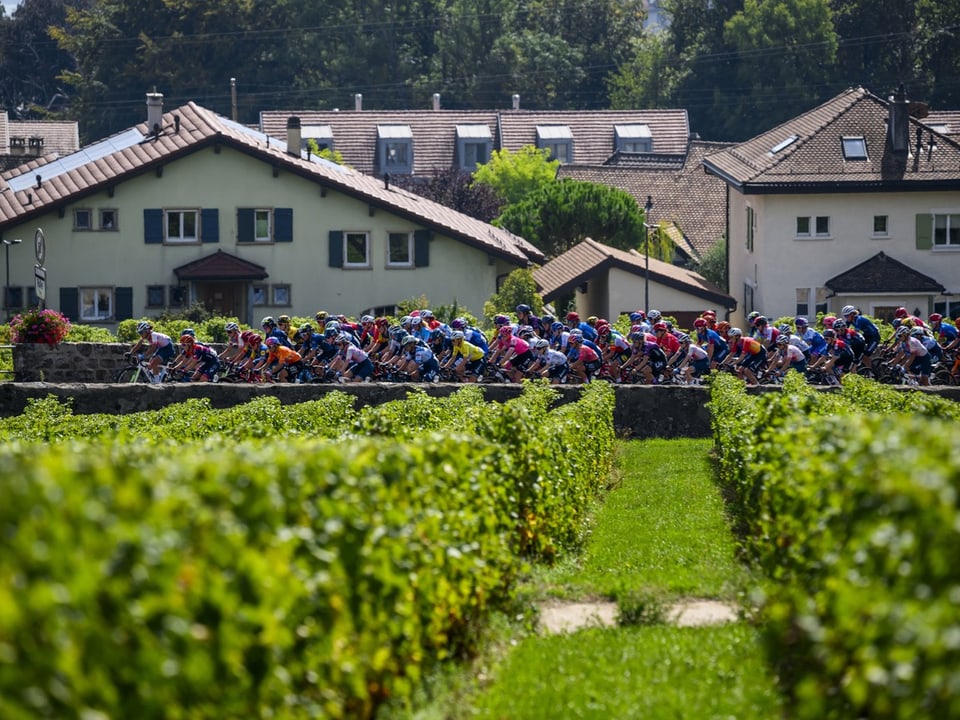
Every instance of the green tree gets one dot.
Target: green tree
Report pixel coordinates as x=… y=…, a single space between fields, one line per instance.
x=650 y=79
x=518 y=287
x=713 y=264
x=515 y=175
x=561 y=214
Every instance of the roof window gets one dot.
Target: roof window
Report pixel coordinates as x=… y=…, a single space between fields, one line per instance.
x=854 y=147
x=785 y=143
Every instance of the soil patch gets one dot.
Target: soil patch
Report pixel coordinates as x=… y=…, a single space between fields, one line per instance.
x=563 y=617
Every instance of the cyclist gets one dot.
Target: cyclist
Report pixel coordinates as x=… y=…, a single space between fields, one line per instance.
x=357 y=366
x=648 y=357
x=512 y=353
x=838 y=358
x=788 y=356
x=418 y=361
x=764 y=332
x=548 y=363
x=615 y=347
x=525 y=316
x=696 y=360
x=870 y=332
x=584 y=360
x=467 y=360
x=271 y=329
x=666 y=339
x=574 y=323
x=280 y=362
x=156 y=347
x=711 y=341
x=913 y=355
x=234 y=344
x=201 y=359
x=254 y=351
x=748 y=355
x=946 y=333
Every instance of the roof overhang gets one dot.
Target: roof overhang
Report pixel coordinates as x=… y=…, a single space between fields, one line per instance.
x=220 y=266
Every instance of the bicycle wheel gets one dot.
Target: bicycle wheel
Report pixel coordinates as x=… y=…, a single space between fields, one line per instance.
x=131 y=374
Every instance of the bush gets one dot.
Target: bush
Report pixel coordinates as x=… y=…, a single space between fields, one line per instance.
x=39 y=326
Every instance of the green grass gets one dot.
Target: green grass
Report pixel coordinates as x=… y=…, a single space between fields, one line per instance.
x=660 y=534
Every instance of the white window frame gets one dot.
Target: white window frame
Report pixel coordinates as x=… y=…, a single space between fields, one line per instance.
x=258 y=297
x=885 y=231
x=349 y=235
x=92 y=301
x=559 y=150
x=181 y=213
x=812 y=227
x=280 y=295
x=947 y=230
x=267 y=216
x=803 y=226
x=408 y=263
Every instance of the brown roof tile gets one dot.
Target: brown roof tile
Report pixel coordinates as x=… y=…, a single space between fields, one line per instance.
x=220 y=266
x=584 y=260
x=881 y=273
x=949 y=120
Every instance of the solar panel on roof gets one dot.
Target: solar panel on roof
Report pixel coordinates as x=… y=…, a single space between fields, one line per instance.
x=260 y=137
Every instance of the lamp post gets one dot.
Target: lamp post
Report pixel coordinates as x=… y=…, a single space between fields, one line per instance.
x=646 y=243
x=7 y=242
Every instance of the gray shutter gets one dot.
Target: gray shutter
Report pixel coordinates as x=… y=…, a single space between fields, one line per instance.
x=283 y=225
x=245 y=225
x=924 y=231
x=152 y=226
x=210 y=225
x=421 y=248
x=123 y=303
x=336 y=248
x=70 y=302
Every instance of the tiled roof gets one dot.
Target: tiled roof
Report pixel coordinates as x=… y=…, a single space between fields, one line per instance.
x=949 y=120
x=434 y=131
x=881 y=273
x=220 y=266
x=686 y=196
x=59 y=137
x=586 y=259
x=192 y=127
x=806 y=152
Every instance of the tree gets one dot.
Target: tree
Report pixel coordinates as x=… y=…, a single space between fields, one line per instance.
x=561 y=214
x=713 y=264
x=518 y=287
x=455 y=189
x=514 y=175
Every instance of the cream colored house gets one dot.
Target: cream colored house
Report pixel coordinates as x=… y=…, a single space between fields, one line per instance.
x=192 y=207
x=855 y=202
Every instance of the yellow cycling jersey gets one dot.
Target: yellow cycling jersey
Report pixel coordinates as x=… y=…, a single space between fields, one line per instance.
x=467 y=351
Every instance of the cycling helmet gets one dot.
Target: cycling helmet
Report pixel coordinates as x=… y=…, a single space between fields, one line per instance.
x=245 y=335
x=501 y=319
x=332 y=325
x=575 y=339
x=505 y=331
x=829 y=320
x=917 y=332
x=683 y=338
x=900 y=312
x=576 y=332
x=557 y=325
x=458 y=323
x=783 y=339
x=408 y=340
x=255 y=339
x=366 y=319
x=735 y=332
x=231 y=327
x=189 y=331
x=659 y=326
x=839 y=324
x=573 y=317
x=271 y=342
x=416 y=320
x=457 y=335
x=700 y=323
x=547 y=320
x=342 y=318
x=654 y=316
x=426 y=314
x=306 y=329
x=800 y=322
x=525 y=332
x=636 y=317
x=829 y=334
x=331 y=332
x=636 y=328
x=321 y=316
x=436 y=335
x=709 y=314
x=592 y=320
x=669 y=325
x=522 y=308
x=283 y=319
x=935 y=317
x=848 y=310
x=187 y=339
x=143 y=327
x=784 y=329
x=268 y=321
x=382 y=322
x=723 y=326
x=760 y=320
x=342 y=338
x=635 y=336
x=902 y=332
x=541 y=343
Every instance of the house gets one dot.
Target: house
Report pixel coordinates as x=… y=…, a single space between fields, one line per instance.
x=608 y=282
x=190 y=207
x=689 y=204
x=22 y=141
x=854 y=202
x=419 y=142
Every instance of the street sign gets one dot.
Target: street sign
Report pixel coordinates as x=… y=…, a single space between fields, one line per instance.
x=39 y=246
x=40 y=284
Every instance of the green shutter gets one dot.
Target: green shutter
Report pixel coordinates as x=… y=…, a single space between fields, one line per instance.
x=123 y=303
x=924 y=231
x=283 y=225
x=245 y=225
x=70 y=302
x=152 y=226
x=336 y=248
x=421 y=248
x=210 y=225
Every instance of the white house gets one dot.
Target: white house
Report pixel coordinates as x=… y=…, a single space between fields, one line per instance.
x=192 y=207
x=854 y=202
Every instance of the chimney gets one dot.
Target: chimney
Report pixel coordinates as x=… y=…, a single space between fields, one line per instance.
x=293 y=136
x=358 y=102
x=898 y=126
x=436 y=101
x=516 y=101
x=154 y=111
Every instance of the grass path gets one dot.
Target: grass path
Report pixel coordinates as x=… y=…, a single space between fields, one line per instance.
x=659 y=536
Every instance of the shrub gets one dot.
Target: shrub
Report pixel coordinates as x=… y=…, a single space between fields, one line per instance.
x=40 y=326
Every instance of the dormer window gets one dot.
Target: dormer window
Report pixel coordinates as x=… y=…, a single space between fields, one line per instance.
x=633 y=138
x=322 y=135
x=395 y=149
x=473 y=146
x=854 y=148
x=558 y=140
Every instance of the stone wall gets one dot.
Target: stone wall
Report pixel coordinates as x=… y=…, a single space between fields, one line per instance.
x=68 y=362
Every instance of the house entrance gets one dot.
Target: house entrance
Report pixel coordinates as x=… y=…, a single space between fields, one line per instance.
x=226 y=299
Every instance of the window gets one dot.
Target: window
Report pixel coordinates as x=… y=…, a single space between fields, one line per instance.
x=747 y=298
x=181 y=226
x=356 y=249
x=821 y=225
x=400 y=250
x=803 y=227
x=947 y=309
x=473 y=145
x=156 y=296
x=13 y=298
x=803 y=301
x=281 y=295
x=108 y=219
x=261 y=226
x=880 y=226
x=783 y=144
x=82 y=220
x=751 y=222
x=854 y=148
x=96 y=304
x=260 y=294
x=322 y=135
x=395 y=149
x=946 y=230
x=633 y=138
x=822 y=295
x=558 y=140
x=179 y=295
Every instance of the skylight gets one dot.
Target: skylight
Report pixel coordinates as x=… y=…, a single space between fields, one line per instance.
x=784 y=144
x=854 y=147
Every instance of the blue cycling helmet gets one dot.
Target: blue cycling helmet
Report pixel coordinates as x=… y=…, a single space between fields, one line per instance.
x=522 y=308
x=557 y=326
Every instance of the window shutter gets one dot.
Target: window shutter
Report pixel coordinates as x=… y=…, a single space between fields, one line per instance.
x=210 y=225
x=283 y=225
x=123 y=303
x=245 y=225
x=336 y=248
x=421 y=248
x=924 y=231
x=70 y=302
x=152 y=226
